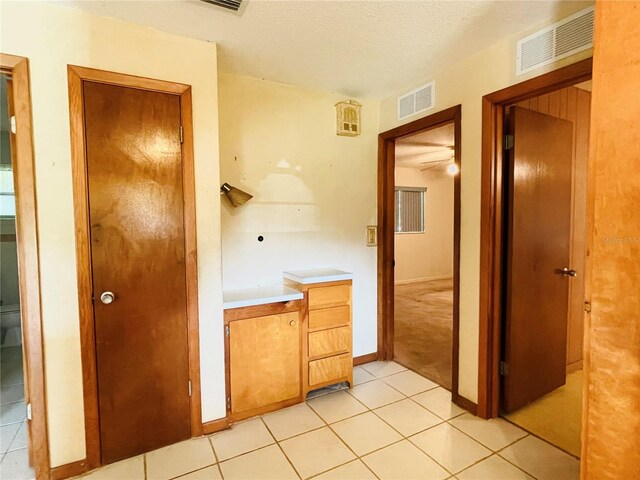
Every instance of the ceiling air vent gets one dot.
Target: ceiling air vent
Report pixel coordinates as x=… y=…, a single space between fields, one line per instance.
x=562 y=39
x=228 y=4
x=419 y=100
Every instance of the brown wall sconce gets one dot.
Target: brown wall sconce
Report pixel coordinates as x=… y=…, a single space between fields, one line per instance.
x=236 y=196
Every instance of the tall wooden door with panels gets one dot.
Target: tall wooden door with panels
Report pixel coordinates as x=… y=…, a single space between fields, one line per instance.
x=136 y=227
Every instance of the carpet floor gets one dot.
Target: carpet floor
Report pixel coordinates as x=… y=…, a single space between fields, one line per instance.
x=423 y=334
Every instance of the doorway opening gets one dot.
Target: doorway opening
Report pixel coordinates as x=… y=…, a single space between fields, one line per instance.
x=425 y=169
x=443 y=129
x=545 y=259
x=534 y=253
x=14 y=410
x=25 y=452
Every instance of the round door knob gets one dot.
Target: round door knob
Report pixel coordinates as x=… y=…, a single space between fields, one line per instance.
x=107 y=297
x=292 y=323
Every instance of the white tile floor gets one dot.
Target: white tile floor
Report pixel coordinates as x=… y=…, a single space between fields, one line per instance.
x=393 y=425
x=14 y=457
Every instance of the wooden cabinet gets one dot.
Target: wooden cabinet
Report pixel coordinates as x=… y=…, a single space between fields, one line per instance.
x=327 y=334
x=264 y=358
x=276 y=353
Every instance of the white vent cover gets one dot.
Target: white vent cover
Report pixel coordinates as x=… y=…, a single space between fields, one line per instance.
x=419 y=100
x=562 y=39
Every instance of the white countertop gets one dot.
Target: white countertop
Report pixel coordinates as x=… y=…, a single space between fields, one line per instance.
x=318 y=275
x=249 y=297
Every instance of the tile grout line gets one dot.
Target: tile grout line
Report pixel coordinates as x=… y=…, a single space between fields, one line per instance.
x=328 y=425
x=282 y=449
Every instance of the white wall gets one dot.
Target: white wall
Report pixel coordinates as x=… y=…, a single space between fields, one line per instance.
x=427 y=255
x=465 y=83
x=52 y=37
x=314 y=192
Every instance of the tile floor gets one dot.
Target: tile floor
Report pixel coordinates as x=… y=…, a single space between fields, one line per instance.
x=14 y=457
x=393 y=424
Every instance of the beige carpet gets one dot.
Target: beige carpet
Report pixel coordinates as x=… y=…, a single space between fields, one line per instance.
x=423 y=335
x=556 y=417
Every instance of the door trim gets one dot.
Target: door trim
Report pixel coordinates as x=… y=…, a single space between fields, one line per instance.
x=386 y=241
x=76 y=75
x=29 y=261
x=491 y=221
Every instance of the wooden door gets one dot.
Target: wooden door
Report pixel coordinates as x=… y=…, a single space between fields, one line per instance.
x=264 y=361
x=538 y=249
x=135 y=201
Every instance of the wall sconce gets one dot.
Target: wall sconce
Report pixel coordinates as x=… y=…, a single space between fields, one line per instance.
x=236 y=196
x=348 y=118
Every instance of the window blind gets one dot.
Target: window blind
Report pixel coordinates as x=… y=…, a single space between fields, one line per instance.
x=409 y=209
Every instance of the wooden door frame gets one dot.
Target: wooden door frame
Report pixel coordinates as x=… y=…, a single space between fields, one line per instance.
x=28 y=261
x=492 y=233
x=386 y=240
x=76 y=76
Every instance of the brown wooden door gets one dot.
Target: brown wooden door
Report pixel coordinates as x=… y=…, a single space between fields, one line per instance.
x=137 y=252
x=264 y=360
x=538 y=249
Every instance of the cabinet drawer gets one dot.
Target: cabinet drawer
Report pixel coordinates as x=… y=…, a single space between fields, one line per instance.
x=329 y=342
x=329 y=317
x=329 y=369
x=322 y=297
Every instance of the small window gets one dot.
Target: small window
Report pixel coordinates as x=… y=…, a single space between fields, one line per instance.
x=7 y=195
x=410 y=209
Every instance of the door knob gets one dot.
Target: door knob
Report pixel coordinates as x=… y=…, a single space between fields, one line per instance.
x=107 y=297
x=292 y=323
x=567 y=272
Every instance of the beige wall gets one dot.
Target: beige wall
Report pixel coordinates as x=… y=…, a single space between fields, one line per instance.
x=428 y=255
x=465 y=83
x=314 y=191
x=52 y=37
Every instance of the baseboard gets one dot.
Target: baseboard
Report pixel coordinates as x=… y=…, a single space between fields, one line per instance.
x=574 y=367
x=215 y=426
x=425 y=279
x=369 y=357
x=68 y=470
x=465 y=403
x=78 y=468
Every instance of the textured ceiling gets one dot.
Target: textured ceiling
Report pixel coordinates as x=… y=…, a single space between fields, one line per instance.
x=366 y=49
x=420 y=149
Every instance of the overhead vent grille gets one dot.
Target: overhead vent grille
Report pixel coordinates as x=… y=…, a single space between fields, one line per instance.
x=562 y=39
x=419 y=100
x=228 y=4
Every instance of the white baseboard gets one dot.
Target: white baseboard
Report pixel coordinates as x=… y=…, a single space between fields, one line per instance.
x=425 y=279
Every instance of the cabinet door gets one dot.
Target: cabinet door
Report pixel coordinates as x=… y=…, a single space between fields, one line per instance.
x=264 y=361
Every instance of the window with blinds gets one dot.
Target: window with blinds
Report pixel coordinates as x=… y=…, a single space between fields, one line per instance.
x=410 y=209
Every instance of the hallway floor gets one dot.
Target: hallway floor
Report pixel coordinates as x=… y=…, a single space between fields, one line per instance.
x=424 y=328
x=14 y=457
x=556 y=417
x=394 y=424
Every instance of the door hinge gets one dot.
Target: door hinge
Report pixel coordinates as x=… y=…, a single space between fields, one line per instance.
x=508 y=142
x=226 y=330
x=504 y=368
x=189 y=387
x=14 y=129
x=229 y=403
x=181 y=134
x=28 y=411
